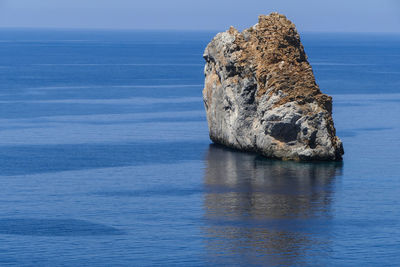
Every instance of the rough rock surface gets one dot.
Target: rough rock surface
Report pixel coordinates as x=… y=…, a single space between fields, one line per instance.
x=260 y=94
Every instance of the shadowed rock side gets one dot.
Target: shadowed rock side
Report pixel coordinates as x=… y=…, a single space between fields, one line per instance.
x=260 y=94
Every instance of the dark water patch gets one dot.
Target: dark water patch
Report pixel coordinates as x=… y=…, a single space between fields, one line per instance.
x=244 y=189
x=5 y=127
x=168 y=88
x=394 y=100
x=346 y=133
x=357 y=131
x=339 y=104
x=373 y=129
x=287 y=225
x=144 y=120
x=34 y=110
x=296 y=224
x=30 y=159
x=54 y=227
x=153 y=192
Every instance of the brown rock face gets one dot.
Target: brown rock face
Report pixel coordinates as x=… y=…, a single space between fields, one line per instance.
x=260 y=94
x=273 y=47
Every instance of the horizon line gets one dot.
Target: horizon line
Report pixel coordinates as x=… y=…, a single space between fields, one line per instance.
x=176 y=30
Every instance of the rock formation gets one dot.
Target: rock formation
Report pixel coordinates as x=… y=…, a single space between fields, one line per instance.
x=260 y=94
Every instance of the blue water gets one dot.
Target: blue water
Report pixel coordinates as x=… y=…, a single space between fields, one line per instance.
x=105 y=158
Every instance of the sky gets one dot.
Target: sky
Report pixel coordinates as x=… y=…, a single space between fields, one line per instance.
x=308 y=15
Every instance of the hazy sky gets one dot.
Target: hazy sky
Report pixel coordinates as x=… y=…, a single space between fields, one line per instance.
x=308 y=15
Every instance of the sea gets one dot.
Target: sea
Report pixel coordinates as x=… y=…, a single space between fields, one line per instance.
x=105 y=158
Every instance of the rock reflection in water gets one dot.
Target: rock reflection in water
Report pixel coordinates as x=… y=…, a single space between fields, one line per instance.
x=266 y=212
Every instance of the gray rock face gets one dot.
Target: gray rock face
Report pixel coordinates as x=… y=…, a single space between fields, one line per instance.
x=260 y=94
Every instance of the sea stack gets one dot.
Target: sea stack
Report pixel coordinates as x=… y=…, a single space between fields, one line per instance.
x=260 y=94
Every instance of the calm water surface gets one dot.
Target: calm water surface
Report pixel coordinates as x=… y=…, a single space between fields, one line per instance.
x=105 y=158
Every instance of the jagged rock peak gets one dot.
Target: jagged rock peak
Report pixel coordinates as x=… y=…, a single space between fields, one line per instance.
x=260 y=94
